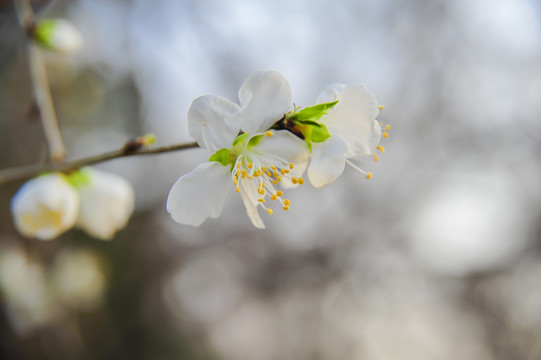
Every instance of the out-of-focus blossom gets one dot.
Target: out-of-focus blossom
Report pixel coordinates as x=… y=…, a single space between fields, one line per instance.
x=256 y=160
x=354 y=130
x=45 y=207
x=58 y=35
x=78 y=278
x=107 y=203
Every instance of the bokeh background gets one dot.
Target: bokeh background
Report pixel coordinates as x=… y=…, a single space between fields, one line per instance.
x=436 y=257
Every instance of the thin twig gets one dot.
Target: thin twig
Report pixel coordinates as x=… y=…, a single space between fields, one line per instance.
x=40 y=84
x=26 y=172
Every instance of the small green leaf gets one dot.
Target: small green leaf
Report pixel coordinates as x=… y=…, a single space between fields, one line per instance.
x=309 y=122
x=222 y=156
x=320 y=134
x=255 y=140
x=240 y=138
x=43 y=32
x=312 y=113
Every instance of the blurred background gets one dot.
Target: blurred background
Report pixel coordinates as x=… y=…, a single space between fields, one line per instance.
x=437 y=257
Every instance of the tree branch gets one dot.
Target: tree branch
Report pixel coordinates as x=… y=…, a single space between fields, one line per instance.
x=40 y=84
x=26 y=172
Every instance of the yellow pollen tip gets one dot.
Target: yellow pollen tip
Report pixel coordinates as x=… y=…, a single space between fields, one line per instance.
x=381 y=148
x=261 y=200
x=376 y=158
x=273 y=167
x=262 y=185
x=274 y=197
x=287 y=202
x=279 y=193
x=291 y=166
x=294 y=180
x=268 y=133
x=250 y=165
x=282 y=171
x=286 y=208
x=269 y=211
x=275 y=174
x=237 y=189
x=275 y=182
x=279 y=178
x=269 y=174
x=369 y=175
x=261 y=191
x=381 y=107
x=264 y=168
x=385 y=134
x=301 y=181
x=387 y=127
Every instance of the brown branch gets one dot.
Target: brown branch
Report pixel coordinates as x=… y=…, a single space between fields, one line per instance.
x=26 y=172
x=40 y=84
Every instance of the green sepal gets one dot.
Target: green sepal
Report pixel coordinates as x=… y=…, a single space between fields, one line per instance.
x=240 y=138
x=309 y=122
x=320 y=134
x=223 y=156
x=78 y=178
x=255 y=140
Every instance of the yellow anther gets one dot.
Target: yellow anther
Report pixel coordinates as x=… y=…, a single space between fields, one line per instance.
x=264 y=168
x=282 y=171
x=269 y=174
x=250 y=165
x=279 y=178
x=291 y=166
x=275 y=182
x=294 y=180
x=244 y=172
x=385 y=134
x=250 y=177
x=286 y=208
x=236 y=180
x=273 y=167
x=381 y=107
x=261 y=200
x=301 y=181
x=237 y=189
x=286 y=171
x=287 y=202
x=268 y=133
x=269 y=211
x=279 y=193
x=387 y=127
x=369 y=175
x=261 y=191
x=275 y=174
x=376 y=158
x=381 y=148
x=262 y=185
x=273 y=197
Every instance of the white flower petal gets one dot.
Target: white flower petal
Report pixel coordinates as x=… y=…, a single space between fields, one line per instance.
x=353 y=118
x=199 y=194
x=214 y=122
x=327 y=161
x=250 y=202
x=264 y=98
x=45 y=207
x=107 y=203
x=282 y=145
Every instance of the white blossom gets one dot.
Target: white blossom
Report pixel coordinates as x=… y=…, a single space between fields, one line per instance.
x=45 y=207
x=354 y=130
x=107 y=203
x=254 y=161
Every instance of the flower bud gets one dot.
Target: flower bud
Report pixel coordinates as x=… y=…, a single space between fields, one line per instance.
x=107 y=202
x=58 y=35
x=45 y=207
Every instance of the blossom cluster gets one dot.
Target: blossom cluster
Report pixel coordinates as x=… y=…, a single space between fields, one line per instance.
x=98 y=202
x=262 y=146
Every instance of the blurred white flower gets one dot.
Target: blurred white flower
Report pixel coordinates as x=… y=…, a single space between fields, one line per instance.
x=354 y=130
x=256 y=161
x=107 y=203
x=78 y=278
x=45 y=207
x=58 y=35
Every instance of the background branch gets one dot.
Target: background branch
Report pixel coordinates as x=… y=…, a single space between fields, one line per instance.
x=40 y=84
x=26 y=172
